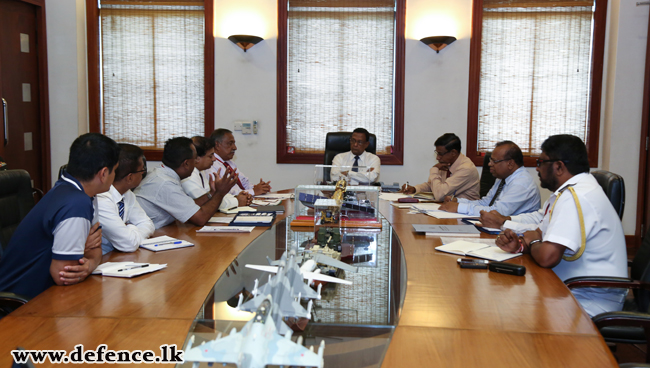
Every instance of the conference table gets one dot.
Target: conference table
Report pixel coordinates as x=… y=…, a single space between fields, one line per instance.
x=450 y=317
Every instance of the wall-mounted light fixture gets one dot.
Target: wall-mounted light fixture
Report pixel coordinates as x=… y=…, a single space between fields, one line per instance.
x=245 y=41
x=438 y=42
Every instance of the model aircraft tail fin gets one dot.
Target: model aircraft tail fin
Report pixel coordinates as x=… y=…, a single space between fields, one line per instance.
x=321 y=350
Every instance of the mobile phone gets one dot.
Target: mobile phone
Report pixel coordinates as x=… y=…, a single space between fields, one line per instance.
x=472 y=263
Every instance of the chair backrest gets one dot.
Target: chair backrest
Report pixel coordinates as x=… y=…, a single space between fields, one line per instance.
x=614 y=187
x=338 y=142
x=487 y=179
x=640 y=271
x=16 y=200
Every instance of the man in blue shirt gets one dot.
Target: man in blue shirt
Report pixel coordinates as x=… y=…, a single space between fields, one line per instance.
x=56 y=242
x=513 y=193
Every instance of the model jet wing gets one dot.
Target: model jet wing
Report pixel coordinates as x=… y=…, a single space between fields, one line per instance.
x=224 y=350
x=285 y=352
x=321 y=258
x=305 y=275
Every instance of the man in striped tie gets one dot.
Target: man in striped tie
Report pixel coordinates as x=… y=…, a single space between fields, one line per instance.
x=513 y=193
x=124 y=223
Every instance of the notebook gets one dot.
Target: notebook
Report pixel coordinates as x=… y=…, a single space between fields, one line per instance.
x=126 y=269
x=225 y=229
x=465 y=248
x=447 y=230
x=164 y=243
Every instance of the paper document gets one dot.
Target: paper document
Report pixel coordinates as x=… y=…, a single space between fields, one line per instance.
x=253 y=219
x=448 y=215
x=126 y=269
x=401 y=205
x=266 y=202
x=164 y=243
x=225 y=229
x=221 y=220
x=479 y=250
x=276 y=195
x=425 y=207
x=392 y=196
x=479 y=225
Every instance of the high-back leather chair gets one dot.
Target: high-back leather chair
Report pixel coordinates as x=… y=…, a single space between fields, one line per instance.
x=16 y=200
x=339 y=142
x=614 y=187
x=487 y=179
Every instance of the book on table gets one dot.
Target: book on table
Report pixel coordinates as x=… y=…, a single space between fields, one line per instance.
x=479 y=250
x=447 y=230
x=164 y=243
x=126 y=269
x=225 y=229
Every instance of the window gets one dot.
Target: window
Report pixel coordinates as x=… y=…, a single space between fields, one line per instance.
x=340 y=66
x=535 y=71
x=154 y=69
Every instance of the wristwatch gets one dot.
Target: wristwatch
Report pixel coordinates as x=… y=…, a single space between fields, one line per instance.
x=533 y=242
x=209 y=196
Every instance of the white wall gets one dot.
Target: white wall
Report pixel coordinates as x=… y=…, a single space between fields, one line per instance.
x=435 y=96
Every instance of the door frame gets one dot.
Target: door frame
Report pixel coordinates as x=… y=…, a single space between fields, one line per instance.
x=643 y=188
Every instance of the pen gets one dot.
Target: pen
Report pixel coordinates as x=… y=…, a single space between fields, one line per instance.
x=452 y=196
x=169 y=242
x=134 y=267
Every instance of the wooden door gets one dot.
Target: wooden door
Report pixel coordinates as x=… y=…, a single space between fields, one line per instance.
x=21 y=143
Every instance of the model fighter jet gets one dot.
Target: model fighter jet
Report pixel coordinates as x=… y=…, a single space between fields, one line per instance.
x=257 y=344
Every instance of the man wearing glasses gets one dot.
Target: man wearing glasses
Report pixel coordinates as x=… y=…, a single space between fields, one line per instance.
x=579 y=233
x=514 y=191
x=357 y=156
x=124 y=223
x=454 y=174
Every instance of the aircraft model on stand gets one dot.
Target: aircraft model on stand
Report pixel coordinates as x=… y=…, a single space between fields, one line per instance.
x=257 y=344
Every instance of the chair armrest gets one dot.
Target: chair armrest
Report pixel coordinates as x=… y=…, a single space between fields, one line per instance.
x=9 y=297
x=622 y=318
x=601 y=281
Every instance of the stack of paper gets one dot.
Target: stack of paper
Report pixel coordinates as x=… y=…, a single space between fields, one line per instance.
x=126 y=269
x=465 y=248
x=225 y=229
x=164 y=243
x=276 y=195
x=238 y=209
x=221 y=220
x=447 y=230
x=267 y=202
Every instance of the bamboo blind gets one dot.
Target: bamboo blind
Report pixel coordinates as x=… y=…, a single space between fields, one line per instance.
x=340 y=71
x=152 y=56
x=535 y=72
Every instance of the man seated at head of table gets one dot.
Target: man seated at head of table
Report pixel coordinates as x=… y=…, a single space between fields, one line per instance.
x=57 y=243
x=224 y=152
x=198 y=184
x=514 y=191
x=454 y=174
x=124 y=223
x=355 y=157
x=161 y=194
x=580 y=233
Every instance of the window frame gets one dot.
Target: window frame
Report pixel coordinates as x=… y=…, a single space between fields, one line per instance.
x=94 y=72
x=396 y=157
x=598 y=47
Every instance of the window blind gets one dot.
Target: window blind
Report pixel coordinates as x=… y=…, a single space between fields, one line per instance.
x=152 y=70
x=535 y=78
x=340 y=71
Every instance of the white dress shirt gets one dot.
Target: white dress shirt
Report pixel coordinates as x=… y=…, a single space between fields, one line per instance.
x=161 y=196
x=198 y=184
x=605 y=253
x=246 y=185
x=366 y=159
x=519 y=194
x=124 y=235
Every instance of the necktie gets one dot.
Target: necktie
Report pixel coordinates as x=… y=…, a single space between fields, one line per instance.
x=202 y=182
x=230 y=168
x=120 y=208
x=448 y=173
x=355 y=166
x=499 y=189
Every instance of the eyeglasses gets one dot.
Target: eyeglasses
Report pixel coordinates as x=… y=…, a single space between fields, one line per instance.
x=494 y=162
x=540 y=161
x=441 y=154
x=143 y=171
x=354 y=142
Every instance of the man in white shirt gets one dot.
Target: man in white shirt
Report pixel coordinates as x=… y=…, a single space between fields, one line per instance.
x=161 y=194
x=514 y=191
x=198 y=184
x=357 y=156
x=224 y=151
x=124 y=223
x=580 y=233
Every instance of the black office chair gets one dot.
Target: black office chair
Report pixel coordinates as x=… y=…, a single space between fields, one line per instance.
x=614 y=187
x=16 y=200
x=487 y=179
x=339 y=142
x=632 y=325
